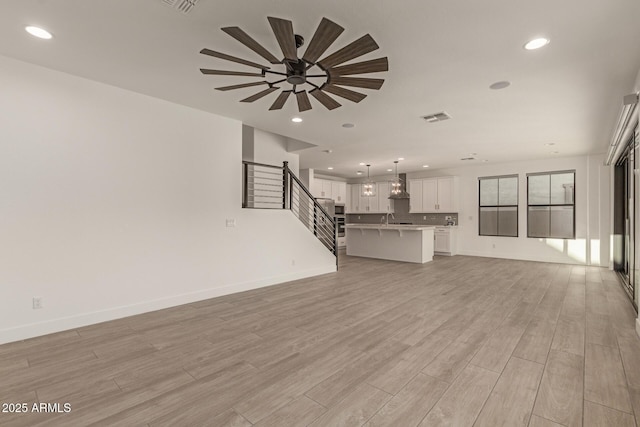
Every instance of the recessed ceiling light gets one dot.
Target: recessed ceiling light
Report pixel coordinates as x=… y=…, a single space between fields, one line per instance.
x=549 y=144
x=500 y=85
x=348 y=125
x=389 y=170
x=425 y=166
x=473 y=154
x=536 y=43
x=359 y=173
x=38 y=32
x=362 y=163
x=400 y=158
x=330 y=168
x=296 y=120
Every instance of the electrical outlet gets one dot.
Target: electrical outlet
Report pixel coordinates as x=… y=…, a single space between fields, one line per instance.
x=424 y=217
x=37 y=303
x=358 y=216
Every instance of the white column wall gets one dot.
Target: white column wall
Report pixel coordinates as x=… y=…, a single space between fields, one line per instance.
x=114 y=203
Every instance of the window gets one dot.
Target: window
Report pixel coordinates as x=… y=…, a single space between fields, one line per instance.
x=551 y=205
x=498 y=214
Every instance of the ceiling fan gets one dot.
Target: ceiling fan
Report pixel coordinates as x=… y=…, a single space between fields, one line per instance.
x=331 y=76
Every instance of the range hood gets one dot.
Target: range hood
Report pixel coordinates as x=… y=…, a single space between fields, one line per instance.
x=403 y=188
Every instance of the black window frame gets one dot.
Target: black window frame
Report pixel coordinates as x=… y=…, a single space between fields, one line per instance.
x=498 y=206
x=550 y=205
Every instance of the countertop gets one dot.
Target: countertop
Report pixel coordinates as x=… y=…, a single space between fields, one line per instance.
x=407 y=227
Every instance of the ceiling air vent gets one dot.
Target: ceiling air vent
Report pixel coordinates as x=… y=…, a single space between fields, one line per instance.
x=184 y=6
x=437 y=117
x=468 y=158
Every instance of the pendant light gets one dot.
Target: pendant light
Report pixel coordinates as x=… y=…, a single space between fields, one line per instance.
x=396 y=183
x=368 y=188
x=398 y=186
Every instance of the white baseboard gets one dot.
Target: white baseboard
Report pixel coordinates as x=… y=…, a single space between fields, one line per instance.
x=638 y=327
x=71 y=322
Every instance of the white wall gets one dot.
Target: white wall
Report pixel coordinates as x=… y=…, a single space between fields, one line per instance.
x=271 y=149
x=591 y=245
x=113 y=203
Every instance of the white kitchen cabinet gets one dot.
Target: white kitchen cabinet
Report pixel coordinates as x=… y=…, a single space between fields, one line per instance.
x=370 y=204
x=415 y=195
x=446 y=195
x=380 y=203
x=445 y=241
x=316 y=188
x=384 y=191
x=433 y=195
x=430 y=195
x=354 y=199
x=328 y=189
x=339 y=191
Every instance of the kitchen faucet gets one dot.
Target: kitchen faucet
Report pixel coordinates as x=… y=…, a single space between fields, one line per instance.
x=390 y=213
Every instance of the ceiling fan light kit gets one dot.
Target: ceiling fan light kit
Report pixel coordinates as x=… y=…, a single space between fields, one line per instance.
x=306 y=75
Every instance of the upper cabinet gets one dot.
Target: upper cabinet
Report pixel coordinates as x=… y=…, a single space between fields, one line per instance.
x=327 y=189
x=433 y=195
x=415 y=195
x=353 y=198
x=339 y=191
x=380 y=203
x=384 y=203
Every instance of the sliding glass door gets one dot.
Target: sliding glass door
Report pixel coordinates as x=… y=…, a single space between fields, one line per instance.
x=625 y=218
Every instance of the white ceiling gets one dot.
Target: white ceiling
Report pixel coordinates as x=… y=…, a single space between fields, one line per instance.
x=443 y=55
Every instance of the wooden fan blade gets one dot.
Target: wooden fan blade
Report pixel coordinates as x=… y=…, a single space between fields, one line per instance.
x=344 y=93
x=280 y=100
x=357 y=82
x=229 y=73
x=324 y=99
x=303 y=101
x=232 y=58
x=249 y=42
x=373 y=66
x=260 y=94
x=364 y=44
x=225 y=88
x=326 y=33
x=283 y=30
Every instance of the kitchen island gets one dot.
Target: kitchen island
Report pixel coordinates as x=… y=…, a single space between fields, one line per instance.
x=408 y=243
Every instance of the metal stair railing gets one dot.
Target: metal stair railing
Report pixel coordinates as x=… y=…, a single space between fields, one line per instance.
x=277 y=187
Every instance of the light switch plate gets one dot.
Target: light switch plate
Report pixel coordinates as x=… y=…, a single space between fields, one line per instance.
x=231 y=222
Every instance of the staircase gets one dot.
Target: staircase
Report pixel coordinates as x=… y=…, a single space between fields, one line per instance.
x=276 y=187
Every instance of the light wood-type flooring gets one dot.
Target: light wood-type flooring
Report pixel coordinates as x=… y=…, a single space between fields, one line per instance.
x=459 y=341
